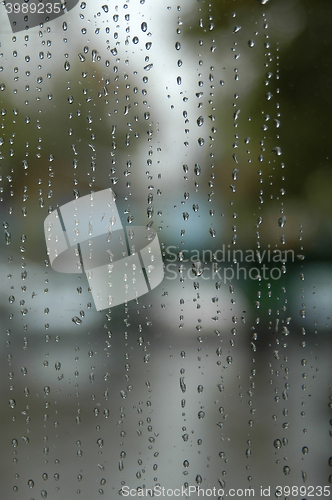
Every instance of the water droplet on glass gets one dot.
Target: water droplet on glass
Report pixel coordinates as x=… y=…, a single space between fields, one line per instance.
x=67 y=65
x=197 y=169
x=200 y=121
x=286 y=470
x=76 y=320
x=237 y=114
x=12 y=403
x=282 y=221
x=197 y=268
x=277 y=150
x=150 y=211
x=277 y=444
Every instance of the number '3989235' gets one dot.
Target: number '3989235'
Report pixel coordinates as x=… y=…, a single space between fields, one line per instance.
x=24 y=15
x=33 y=8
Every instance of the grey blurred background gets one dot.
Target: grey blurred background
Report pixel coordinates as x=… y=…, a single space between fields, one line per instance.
x=211 y=121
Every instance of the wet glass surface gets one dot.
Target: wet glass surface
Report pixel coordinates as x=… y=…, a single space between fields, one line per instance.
x=176 y=333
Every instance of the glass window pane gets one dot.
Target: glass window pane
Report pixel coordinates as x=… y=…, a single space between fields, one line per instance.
x=165 y=260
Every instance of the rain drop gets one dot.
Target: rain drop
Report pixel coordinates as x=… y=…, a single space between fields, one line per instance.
x=277 y=151
x=282 y=221
x=197 y=169
x=200 y=121
x=76 y=320
x=12 y=403
x=277 y=444
x=197 y=268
